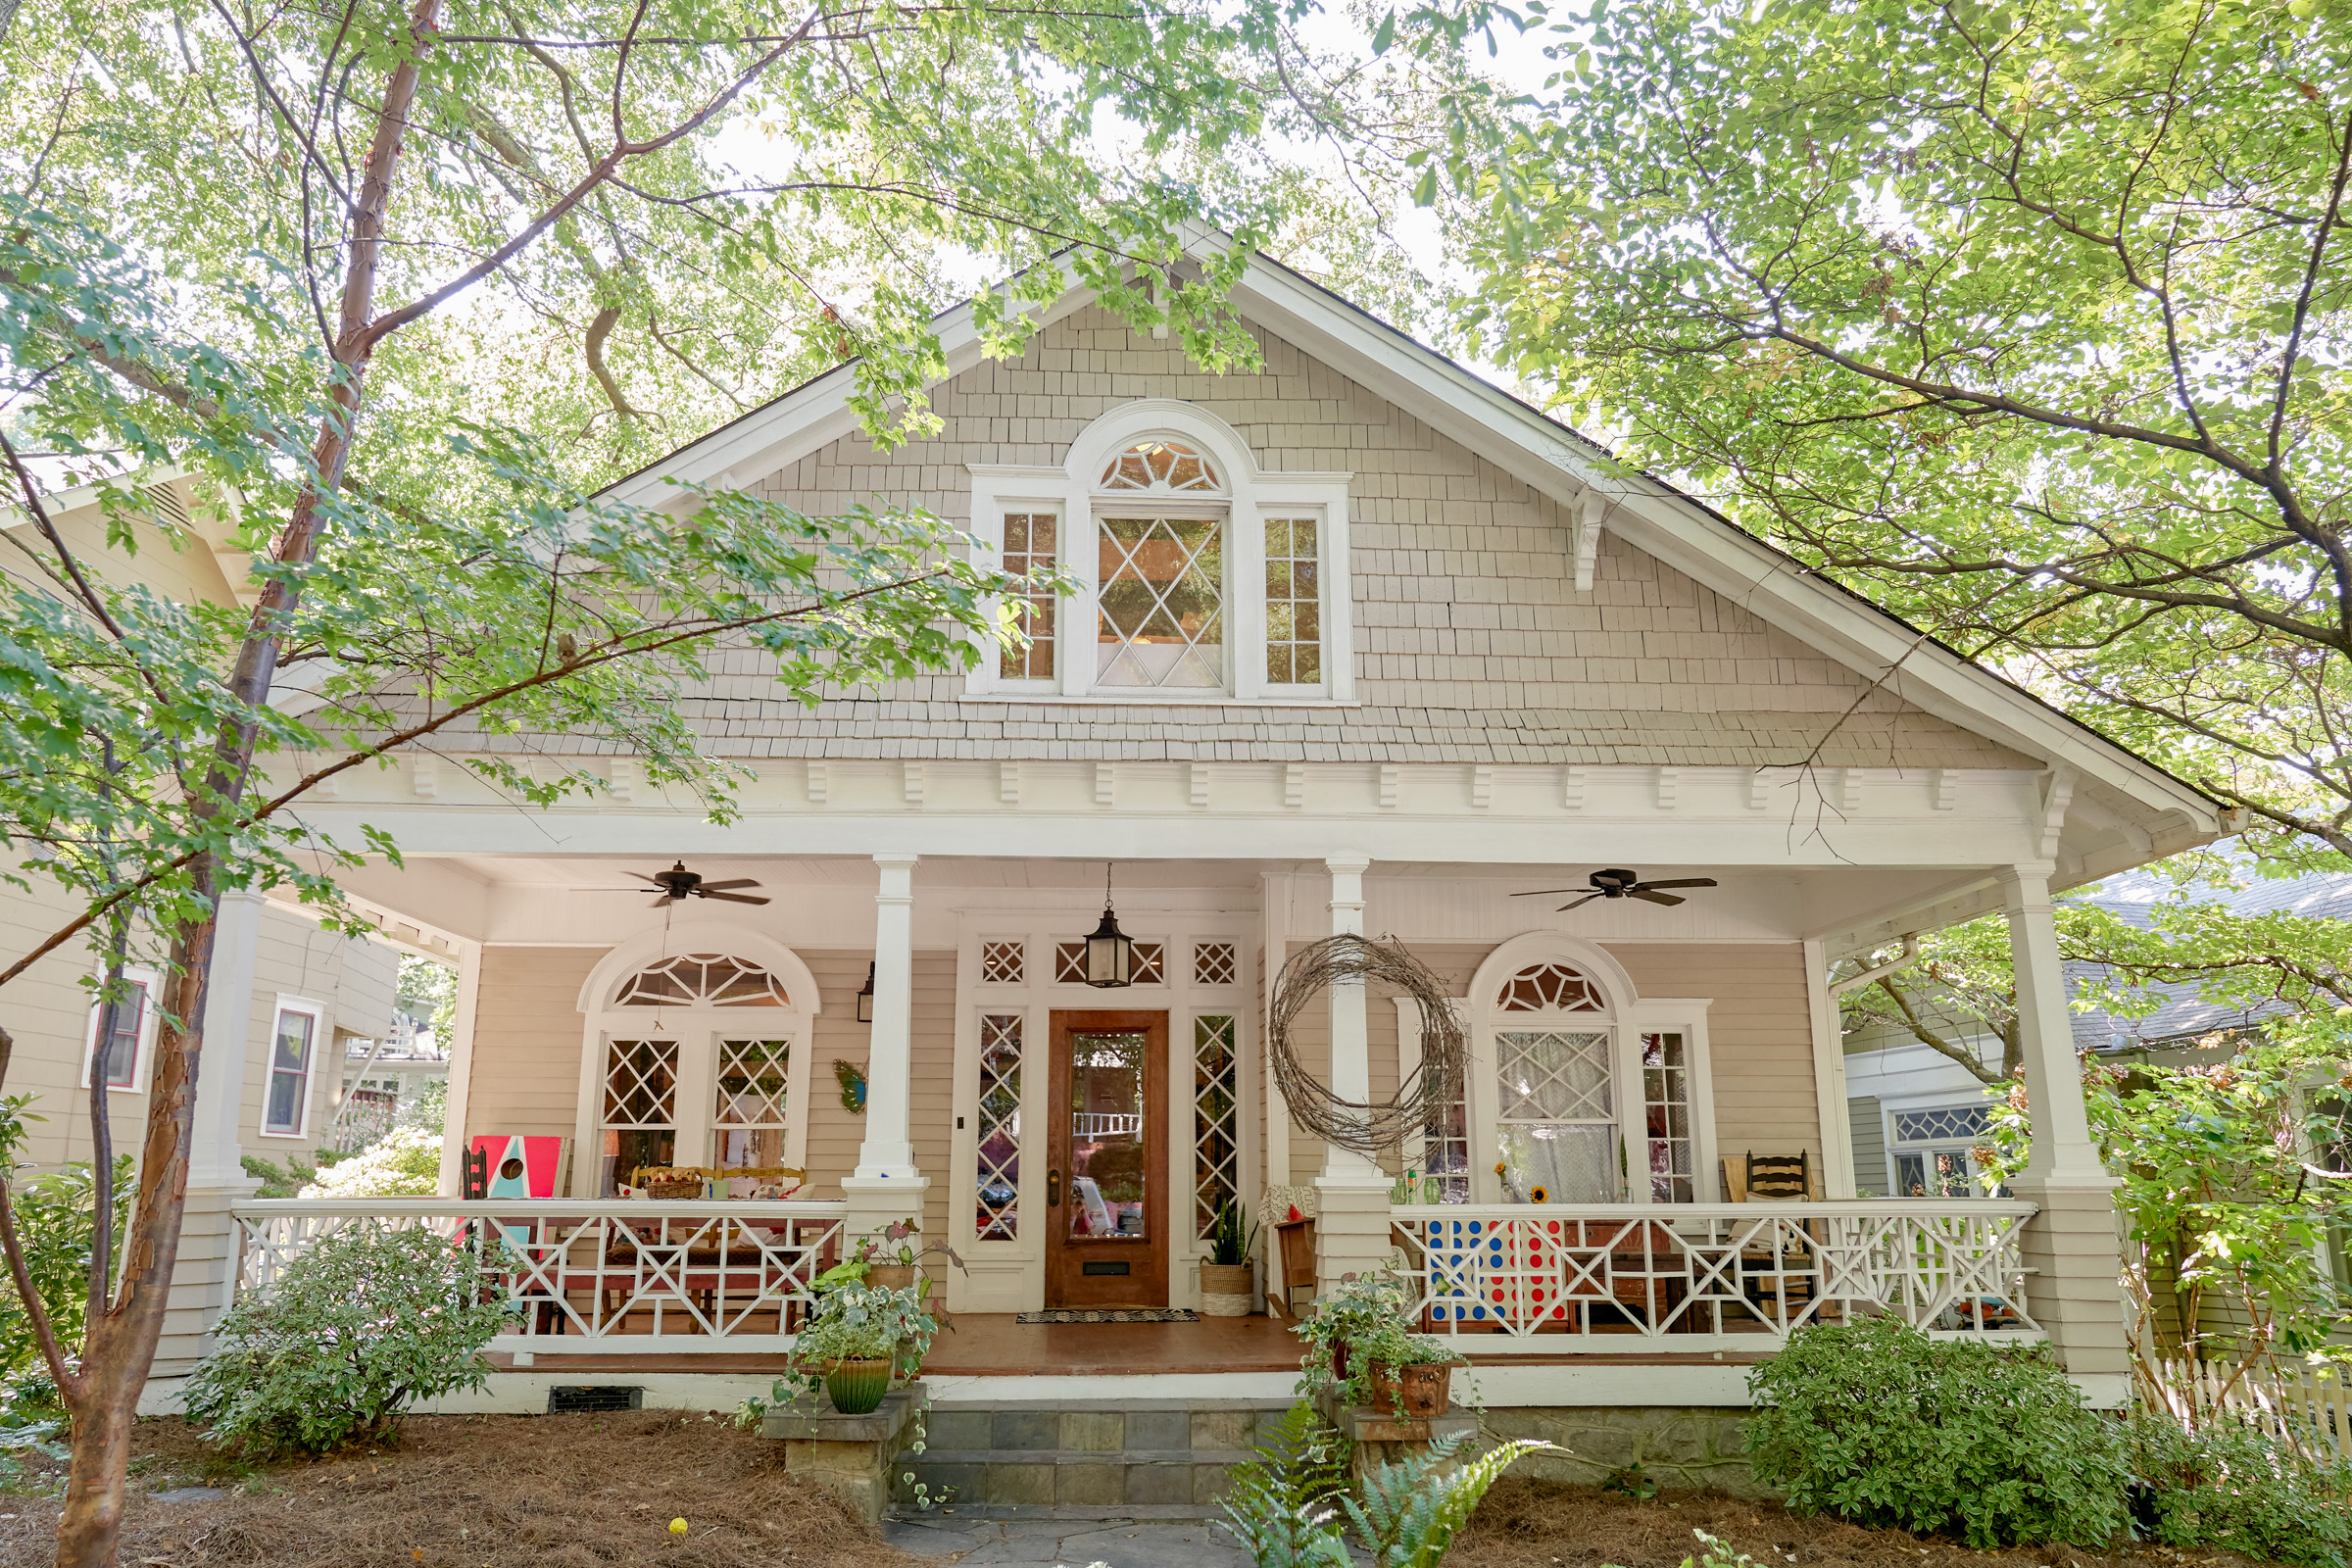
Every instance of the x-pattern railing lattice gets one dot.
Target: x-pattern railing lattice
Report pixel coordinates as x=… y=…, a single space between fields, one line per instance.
x=1625 y=1274
x=620 y=1271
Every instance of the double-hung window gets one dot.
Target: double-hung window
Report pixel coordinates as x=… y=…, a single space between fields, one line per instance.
x=120 y=1039
x=294 y=1043
x=1200 y=576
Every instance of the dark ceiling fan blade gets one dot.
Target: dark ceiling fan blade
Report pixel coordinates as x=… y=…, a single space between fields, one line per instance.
x=1647 y=897
x=664 y=902
x=1578 y=904
x=1683 y=882
x=642 y=877
x=608 y=889
x=735 y=882
x=1547 y=892
x=733 y=898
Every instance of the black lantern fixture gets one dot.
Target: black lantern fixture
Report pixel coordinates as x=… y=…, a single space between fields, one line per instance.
x=1110 y=951
x=865 y=998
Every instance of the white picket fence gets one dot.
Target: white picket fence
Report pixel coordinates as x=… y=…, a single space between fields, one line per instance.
x=2292 y=1403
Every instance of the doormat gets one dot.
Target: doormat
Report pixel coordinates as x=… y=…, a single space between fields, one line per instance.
x=1113 y=1314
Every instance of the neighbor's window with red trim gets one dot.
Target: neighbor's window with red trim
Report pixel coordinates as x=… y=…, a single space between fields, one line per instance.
x=120 y=1044
x=289 y=1072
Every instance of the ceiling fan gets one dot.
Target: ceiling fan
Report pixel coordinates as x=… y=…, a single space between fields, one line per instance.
x=679 y=883
x=1616 y=884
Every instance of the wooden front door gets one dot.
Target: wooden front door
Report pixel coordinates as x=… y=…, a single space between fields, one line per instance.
x=1107 y=1199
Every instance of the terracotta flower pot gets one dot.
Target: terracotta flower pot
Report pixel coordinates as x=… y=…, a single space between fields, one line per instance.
x=1225 y=1289
x=890 y=1276
x=1424 y=1393
x=858 y=1387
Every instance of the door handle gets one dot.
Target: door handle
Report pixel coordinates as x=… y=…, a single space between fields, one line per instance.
x=1052 y=1189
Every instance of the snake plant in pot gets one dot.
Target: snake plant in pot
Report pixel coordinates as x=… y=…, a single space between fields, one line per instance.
x=1225 y=1272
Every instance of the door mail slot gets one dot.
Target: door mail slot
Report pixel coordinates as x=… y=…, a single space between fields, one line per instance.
x=1097 y=1266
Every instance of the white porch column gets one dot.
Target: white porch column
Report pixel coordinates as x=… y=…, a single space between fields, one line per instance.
x=461 y=1074
x=1352 y=1196
x=2071 y=1247
x=1829 y=1078
x=204 y=1270
x=887 y=1186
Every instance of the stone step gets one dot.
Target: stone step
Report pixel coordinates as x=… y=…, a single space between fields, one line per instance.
x=1158 y=1453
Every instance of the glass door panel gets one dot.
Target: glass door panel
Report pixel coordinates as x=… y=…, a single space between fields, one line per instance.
x=1106 y=1186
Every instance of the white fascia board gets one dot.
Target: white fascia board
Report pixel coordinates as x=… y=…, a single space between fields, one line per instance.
x=1653 y=518
x=811 y=416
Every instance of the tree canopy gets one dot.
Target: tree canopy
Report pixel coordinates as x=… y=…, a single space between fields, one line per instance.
x=2029 y=320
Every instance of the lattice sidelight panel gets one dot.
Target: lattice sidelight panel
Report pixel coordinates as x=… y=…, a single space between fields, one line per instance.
x=1217 y=1120
x=997 y=1154
x=1002 y=964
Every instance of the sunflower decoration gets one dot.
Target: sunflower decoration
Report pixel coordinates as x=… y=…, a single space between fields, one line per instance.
x=1539 y=1194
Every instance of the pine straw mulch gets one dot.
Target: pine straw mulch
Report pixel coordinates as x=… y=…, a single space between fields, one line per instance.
x=481 y=1491
x=1541 y=1524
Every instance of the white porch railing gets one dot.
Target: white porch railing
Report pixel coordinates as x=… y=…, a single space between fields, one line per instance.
x=1627 y=1278
x=596 y=1274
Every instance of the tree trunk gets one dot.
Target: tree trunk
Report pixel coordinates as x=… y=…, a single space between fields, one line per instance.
x=118 y=1346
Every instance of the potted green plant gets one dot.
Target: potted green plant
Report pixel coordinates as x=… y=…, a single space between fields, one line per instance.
x=1411 y=1374
x=890 y=1258
x=1355 y=1309
x=858 y=1337
x=1225 y=1272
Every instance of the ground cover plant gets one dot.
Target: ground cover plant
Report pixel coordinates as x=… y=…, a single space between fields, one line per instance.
x=2223 y=1484
x=1878 y=1424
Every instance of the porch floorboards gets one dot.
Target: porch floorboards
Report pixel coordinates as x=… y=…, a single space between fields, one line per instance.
x=994 y=1345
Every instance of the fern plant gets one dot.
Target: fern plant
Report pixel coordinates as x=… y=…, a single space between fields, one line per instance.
x=1413 y=1509
x=1290 y=1506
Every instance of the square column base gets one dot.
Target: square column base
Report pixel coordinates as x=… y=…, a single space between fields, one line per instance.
x=1352 y=1227
x=2073 y=1253
x=849 y=1455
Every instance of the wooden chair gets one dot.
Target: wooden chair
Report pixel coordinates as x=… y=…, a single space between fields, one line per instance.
x=1295 y=1256
x=1774 y=1178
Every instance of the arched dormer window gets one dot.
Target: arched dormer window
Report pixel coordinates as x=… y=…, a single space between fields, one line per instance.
x=695 y=1053
x=1204 y=578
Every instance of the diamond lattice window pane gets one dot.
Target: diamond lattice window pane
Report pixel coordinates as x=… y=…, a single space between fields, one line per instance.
x=1002 y=963
x=1553 y=1075
x=641 y=1083
x=1160 y=596
x=1549 y=988
x=1151 y=965
x=702 y=979
x=1217 y=1120
x=997 y=1156
x=1215 y=963
x=751 y=1083
x=1952 y=1122
x=1070 y=963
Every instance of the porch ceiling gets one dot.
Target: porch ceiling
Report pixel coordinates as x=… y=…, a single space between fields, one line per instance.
x=826 y=902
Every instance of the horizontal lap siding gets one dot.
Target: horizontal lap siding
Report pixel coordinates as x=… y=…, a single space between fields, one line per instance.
x=1759 y=1036
x=524 y=1076
x=834 y=1131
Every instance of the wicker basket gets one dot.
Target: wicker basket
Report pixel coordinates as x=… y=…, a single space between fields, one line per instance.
x=690 y=1188
x=1225 y=1289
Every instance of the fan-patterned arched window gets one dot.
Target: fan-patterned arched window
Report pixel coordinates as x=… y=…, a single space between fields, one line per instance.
x=702 y=979
x=1168 y=466
x=1549 y=988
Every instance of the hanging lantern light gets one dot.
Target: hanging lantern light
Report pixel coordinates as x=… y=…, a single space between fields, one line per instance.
x=865 y=996
x=1110 y=951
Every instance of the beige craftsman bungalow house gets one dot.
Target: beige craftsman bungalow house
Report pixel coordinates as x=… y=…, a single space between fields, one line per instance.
x=1362 y=644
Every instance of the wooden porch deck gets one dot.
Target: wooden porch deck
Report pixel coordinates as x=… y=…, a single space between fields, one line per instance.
x=995 y=1344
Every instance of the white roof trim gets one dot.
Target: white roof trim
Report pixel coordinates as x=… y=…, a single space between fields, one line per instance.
x=1547 y=457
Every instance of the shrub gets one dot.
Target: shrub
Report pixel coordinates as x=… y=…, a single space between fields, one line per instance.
x=2227 y=1487
x=361 y=1323
x=1881 y=1425
x=57 y=1225
x=406 y=1162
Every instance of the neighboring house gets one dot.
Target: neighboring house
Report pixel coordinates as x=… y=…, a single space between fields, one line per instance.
x=383 y=1080
x=1917 y=1115
x=286 y=998
x=1362 y=645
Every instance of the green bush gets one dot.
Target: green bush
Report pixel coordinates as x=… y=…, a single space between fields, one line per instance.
x=1881 y=1425
x=361 y=1323
x=57 y=1225
x=2228 y=1488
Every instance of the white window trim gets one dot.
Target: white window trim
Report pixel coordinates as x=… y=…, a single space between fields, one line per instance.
x=321 y=1035
x=145 y=1050
x=1250 y=495
x=698 y=1031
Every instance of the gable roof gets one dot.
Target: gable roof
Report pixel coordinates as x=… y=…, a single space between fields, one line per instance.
x=1554 y=460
